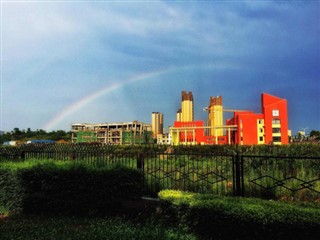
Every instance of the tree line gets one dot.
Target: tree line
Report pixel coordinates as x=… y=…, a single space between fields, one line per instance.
x=24 y=135
x=315 y=134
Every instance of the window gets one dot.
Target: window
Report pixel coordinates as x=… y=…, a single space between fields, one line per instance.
x=276 y=130
x=276 y=139
x=275 y=121
x=275 y=113
x=261 y=139
x=261 y=130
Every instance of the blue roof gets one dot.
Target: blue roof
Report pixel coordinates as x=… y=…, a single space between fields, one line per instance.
x=42 y=141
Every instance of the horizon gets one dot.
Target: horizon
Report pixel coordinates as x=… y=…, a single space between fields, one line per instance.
x=167 y=127
x=95 y=62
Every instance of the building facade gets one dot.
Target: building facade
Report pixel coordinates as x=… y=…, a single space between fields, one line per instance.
x=112 y=133
x=164 y=139
x=156 y=124
x=187 y=133
x=268 y=127
x=275 y=111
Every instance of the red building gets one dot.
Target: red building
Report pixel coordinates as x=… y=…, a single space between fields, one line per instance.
x=245 y=128
x=188 y=132
x=191 y=133
x=213 y=140
x=270 y=126
x=275 y=114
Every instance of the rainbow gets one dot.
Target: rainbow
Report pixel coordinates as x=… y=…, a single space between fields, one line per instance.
x=67 y=111
x=70 y=109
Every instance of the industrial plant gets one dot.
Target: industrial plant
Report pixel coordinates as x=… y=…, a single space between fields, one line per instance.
x=244 y=128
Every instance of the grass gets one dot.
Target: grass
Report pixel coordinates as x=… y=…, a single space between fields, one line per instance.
x=45 y=227
x=3 y=211
x=40 y=227
x=266 y=177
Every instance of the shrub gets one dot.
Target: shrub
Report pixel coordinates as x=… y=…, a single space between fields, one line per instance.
x=240 y=218
x=74 y=228
x=66 y=188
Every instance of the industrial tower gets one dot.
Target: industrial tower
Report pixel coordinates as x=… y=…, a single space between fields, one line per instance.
x=178 y=116
x=186 y=106
x=215 y=116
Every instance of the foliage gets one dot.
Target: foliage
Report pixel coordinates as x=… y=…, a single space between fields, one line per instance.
x=315 y=134
x=66 y=187
x=249 y=218
x=72 y=228
x=195 y=172
x=24 y=135
x=306 y=149
x=276 y=174
x=289 y=178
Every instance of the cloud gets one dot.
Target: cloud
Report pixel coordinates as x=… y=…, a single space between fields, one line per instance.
x=140 y=19
x=31 y=29
x=223 y=47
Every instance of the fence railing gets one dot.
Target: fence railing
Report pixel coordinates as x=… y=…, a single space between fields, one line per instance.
x=241 y=175
x=280 y=177
x=205 y=173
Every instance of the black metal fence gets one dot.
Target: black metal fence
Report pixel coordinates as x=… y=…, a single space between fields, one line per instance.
x=204 y=173
x=280 y=177
x=242 y=175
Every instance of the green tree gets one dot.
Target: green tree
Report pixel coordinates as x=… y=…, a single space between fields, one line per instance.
x=16 y=134
x=315 y=134
x=25 y=135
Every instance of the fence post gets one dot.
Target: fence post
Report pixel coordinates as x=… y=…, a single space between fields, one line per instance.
x=140 y=161
x=242 y=175
x=140 y=167
x=23 y=155
x=238 y=175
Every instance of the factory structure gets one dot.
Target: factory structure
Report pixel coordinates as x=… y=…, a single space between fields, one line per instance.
x=244 y=128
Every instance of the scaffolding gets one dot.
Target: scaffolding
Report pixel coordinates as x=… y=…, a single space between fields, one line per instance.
x=86 y=137
x=115 y=133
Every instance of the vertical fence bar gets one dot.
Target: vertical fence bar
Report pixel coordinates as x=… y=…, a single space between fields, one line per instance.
x=140 y=167
x=234 y=175
x=237 y=175
x=23 y=155
x=140 y=161
x=242 y=175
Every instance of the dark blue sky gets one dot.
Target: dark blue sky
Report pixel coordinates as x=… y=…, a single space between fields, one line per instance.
x=78 y=61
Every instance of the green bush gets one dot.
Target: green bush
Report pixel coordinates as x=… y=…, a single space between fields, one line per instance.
x=66 y=188
x=302 y=150
x=75 y=228
x=240 y=218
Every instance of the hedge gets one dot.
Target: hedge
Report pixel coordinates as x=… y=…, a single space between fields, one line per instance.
x=86 y=228
x=59 y=187
x=220 y=217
